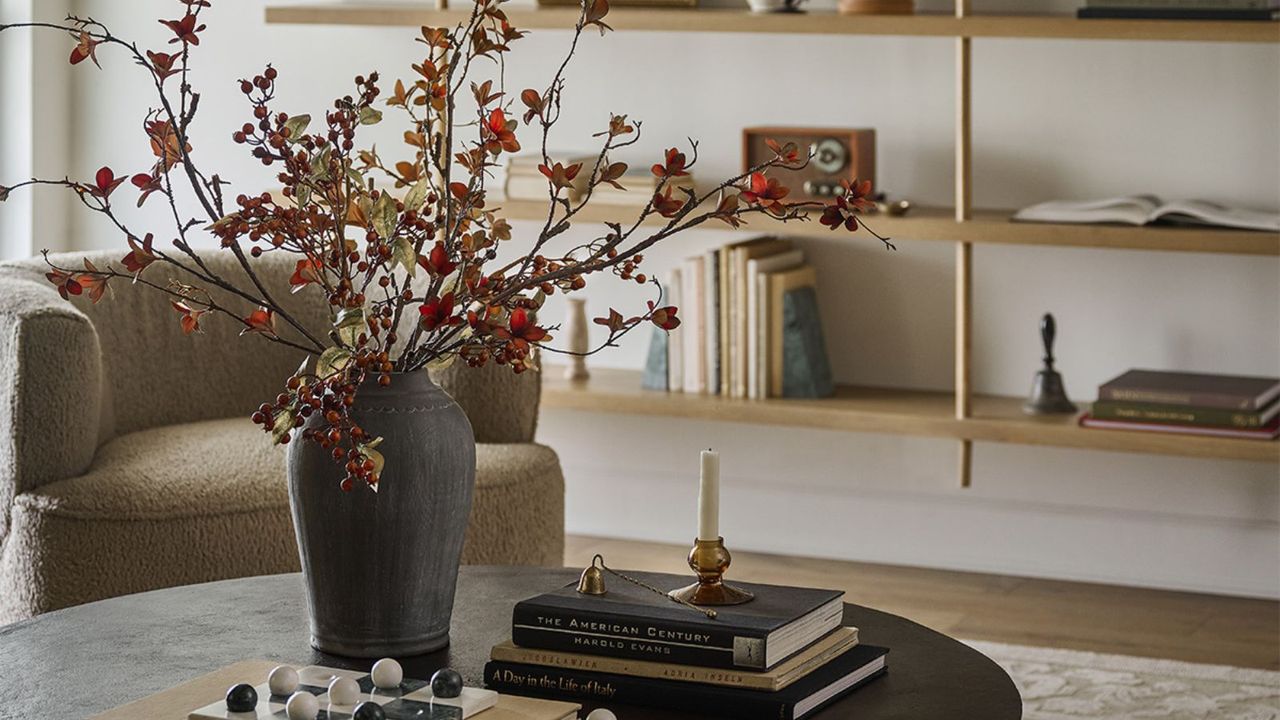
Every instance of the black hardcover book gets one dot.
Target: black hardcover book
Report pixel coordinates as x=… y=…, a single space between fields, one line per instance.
x=1147 y=13
x=633 y=622
x=823 y=686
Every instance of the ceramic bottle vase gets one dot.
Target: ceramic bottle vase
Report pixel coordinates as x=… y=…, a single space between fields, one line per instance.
x=380 y=568
x=575 y=329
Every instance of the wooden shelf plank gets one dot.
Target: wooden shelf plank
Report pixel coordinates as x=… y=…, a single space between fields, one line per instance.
x=985 y=227
x=814 y=23
x=888 y=411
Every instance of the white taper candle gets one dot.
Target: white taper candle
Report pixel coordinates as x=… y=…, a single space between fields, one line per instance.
x=709 y=497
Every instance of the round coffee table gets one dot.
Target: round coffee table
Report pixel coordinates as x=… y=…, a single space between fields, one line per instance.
x=84 y=660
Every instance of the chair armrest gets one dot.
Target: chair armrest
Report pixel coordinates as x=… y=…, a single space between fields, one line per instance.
x=51 y=405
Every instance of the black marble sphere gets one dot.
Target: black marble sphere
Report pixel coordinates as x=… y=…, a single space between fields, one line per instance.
x=446 y=683
x=369 y=710
x=242 y=698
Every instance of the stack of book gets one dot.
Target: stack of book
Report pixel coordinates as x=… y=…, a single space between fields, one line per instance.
x=1182 y=9
x=751 y=325
x=525 y=182
x=1189 y=403
x=781 y=656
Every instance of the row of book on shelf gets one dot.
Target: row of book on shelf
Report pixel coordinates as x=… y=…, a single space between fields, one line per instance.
x=1189 y=404
x=751 y=325
x=1181 y=9
x=782 y=656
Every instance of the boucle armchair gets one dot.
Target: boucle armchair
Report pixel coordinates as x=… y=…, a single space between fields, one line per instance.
x=128 y=463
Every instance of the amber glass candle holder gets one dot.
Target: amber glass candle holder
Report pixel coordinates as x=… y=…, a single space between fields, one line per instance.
x=709 y=559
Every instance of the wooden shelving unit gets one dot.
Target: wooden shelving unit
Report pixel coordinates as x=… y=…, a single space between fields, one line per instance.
x=893 y=412
x=961 y=415
x=983 y=227
x=813 y=23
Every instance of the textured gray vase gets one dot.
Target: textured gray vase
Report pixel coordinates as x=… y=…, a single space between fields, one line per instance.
x=381 y=567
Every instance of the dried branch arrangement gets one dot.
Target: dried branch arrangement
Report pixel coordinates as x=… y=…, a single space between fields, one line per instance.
x=382 y=239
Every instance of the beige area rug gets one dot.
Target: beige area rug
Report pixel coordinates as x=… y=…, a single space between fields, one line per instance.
x=1072 y=685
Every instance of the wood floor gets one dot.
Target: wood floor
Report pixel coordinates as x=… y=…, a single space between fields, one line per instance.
x=1023 y=611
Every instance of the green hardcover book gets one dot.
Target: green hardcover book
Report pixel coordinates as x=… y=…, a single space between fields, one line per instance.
x=806 y=372
x=1184 y=414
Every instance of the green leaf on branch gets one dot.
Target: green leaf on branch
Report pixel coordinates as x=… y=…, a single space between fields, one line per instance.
x=369 y=116
x=296 y=127
x=332 y=361
x=402 y=253
x=385 y=216
x=225 y=220
x=282 y=425
x=350 y=324
x=417 y=195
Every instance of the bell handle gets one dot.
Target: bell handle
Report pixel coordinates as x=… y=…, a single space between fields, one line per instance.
x=1048 y=329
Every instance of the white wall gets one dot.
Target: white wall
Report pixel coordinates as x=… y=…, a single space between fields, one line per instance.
x=1052 y=119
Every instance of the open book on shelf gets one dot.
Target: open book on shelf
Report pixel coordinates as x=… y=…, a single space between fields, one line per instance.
x=1149 y=209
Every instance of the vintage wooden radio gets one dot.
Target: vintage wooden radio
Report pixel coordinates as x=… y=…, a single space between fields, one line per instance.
x=838 y=154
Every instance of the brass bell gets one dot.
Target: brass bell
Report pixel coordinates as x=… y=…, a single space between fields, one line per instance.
x=1048 y=394
x=592 y=580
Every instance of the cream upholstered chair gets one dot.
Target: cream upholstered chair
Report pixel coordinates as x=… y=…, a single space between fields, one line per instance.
x=128 y=463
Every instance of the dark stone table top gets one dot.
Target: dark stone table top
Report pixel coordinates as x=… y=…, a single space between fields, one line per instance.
x=84 y=660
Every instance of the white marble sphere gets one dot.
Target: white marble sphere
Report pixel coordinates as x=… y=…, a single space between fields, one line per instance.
x=282 y=680
x=344 y=691
x=302 y=706
x=601 y=714
x=387 y=674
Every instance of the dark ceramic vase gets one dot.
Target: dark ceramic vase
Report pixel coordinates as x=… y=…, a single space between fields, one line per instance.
x=380 y=568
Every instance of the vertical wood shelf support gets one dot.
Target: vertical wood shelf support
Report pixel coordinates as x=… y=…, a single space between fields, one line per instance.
x=964 y=250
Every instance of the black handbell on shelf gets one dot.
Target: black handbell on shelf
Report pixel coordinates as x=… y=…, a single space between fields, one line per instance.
x=1048 y=394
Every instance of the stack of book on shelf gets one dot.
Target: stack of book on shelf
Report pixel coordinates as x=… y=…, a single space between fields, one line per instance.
x=751 y=325
x=1182 y=9
x=781 y=656
x=1189 y=403
x=525 y=182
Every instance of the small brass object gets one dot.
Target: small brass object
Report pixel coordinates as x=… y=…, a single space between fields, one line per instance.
x=709 y=559
x=1048 y=394
x=592 y=580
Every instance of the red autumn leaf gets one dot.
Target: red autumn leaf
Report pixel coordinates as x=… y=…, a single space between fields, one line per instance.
x=65 y=282
x=614 y=322
x=767 y=193
x=673 y=167
x=532 y=99
x=261 y=321
x=85 y=49
x=613 y=173
x=727 y=210
x=595 y=14
x=162 y=64
x=559 y=175
x=306 y=272
x=788 y=153
x=664 y=317
x=104 y=183
x=190 y=317
x=458 y=190
x=666 y=205
x=520 y=330
x=165 y=143
x=148 y=183
x=140 y=256
x=437 y=262
x=844 y=210
x=499 y=133
x=184 y=30
x=438 y=312
x=93 y=281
